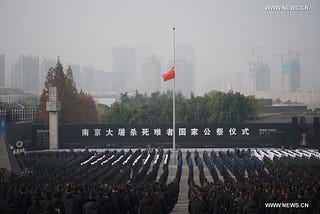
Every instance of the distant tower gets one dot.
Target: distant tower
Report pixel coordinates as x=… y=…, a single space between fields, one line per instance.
x=124 y=67
x=182 y=76
x=102 y=81
x=259 y=77
x=141 y=53
x=25 y=74
x=150 y=75
x=185 y=69
x=291 y=74
x=53 y=107
x=88 y=79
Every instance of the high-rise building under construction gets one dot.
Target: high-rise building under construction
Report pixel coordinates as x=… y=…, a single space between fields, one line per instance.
x=259 y=77
x=291 y=74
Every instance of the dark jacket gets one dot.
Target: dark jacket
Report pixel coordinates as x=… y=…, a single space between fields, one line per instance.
x=69 y=204
x=252 y=207
x=116 y=201
x=146 y=205
x=24 y=202
x=35 y=209
x=91 y=207
x=160 y=205
x=9 y=206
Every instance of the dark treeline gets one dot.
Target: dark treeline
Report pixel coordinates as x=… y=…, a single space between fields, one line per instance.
x=213 y=107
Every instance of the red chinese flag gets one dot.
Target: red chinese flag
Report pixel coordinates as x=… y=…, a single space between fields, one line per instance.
x=169 y=75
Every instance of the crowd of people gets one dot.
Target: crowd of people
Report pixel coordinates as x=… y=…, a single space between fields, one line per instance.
x=243 y=184
x=91 y=183
x=137 y=182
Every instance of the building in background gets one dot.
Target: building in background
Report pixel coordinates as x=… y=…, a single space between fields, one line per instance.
x=182 y=77
x=150 y=75
x=88 y=79
x=291 y=74
x=17 y=73
x=2 y=70
x=259 y=77
x=103 y=82
x=310 y=99
x=185 y=70
x=185 y=60
x=142 y=51
x=124 y=69
x=45 y=65
x=25 y=74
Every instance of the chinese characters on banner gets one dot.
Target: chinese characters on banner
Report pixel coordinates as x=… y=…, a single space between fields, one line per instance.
x=157 y=132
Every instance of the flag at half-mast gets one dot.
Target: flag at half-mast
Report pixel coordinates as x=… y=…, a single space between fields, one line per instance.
x=169 y=75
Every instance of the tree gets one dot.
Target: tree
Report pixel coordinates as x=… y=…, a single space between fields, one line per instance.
x=102 y=112
x=232 y=108
x=30 y=102
x=75 y=107
x=214 y=107
x=253 y=108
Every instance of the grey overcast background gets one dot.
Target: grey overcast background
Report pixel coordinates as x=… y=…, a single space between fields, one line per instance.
x=223 y=33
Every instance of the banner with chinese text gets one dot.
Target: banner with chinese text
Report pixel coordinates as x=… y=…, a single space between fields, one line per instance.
x=100 y=135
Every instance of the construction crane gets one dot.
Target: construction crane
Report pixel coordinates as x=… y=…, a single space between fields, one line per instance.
x=254 y=58
x=307 y=53
x=296 y=54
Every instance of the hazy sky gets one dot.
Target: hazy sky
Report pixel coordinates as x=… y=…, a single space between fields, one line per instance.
x=223 y=33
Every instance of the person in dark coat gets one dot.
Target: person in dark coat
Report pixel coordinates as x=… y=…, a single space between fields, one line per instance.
x=239 y=202
x=302 y=200
x=47 y=204
x=105 y=200
x=57 y=204
x=9 y=206
x=116 y=200
x=36 y=208
x=92 y=206
x=252 y=207
x=24 y=200
x=160 y=205
x=69 y=203
x=146 y=204
x=316 y=200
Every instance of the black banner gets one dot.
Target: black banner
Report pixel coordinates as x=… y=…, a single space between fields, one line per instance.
x=103 y=135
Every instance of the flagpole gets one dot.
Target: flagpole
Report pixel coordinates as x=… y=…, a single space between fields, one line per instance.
x=174 y=100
